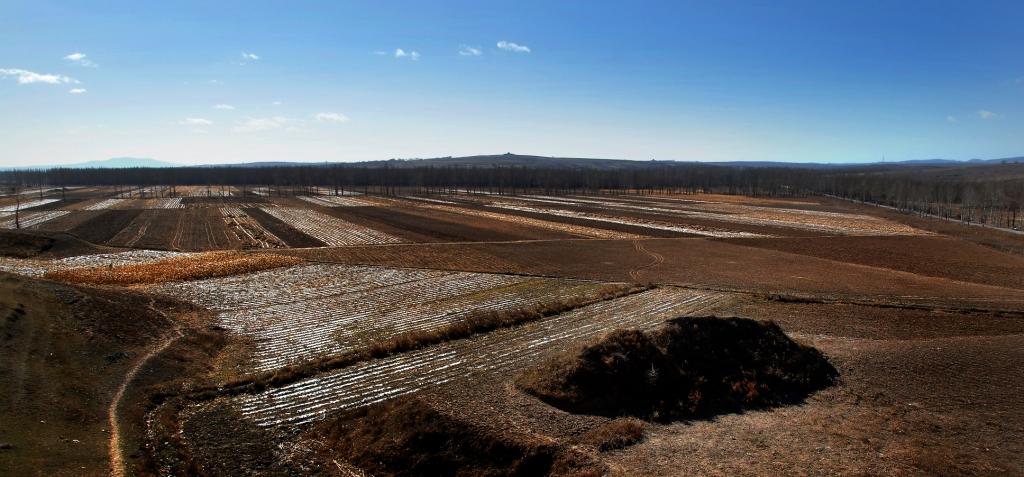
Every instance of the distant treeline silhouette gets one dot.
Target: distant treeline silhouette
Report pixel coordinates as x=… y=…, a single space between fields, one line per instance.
x=989 y=193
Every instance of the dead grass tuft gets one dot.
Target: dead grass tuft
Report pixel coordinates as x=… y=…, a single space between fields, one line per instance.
x=189 y=267
x=615 y=434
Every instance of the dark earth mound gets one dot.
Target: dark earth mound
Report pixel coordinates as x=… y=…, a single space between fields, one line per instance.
x=28 y=244
x=408 y=437
x=688 y=368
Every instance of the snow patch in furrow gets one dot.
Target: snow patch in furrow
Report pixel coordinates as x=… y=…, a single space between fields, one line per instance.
x=397 y=375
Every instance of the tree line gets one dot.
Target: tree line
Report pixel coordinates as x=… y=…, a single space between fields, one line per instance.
x=989 y=194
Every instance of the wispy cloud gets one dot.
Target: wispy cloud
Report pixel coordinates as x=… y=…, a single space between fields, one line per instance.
x=514 y=47
x=76 y=90
x=250 y=56
x=29 y=77
x=224 y=107
x=412 y=55
x=262 y=124
x=470 y=51
x=277 y=103
x=196 y=122
x=330 y=117
x=986 y=114
x=80 y=59
x=216 y=82
x=950 y=119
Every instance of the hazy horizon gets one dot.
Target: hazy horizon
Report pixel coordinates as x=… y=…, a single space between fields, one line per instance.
x=194 y=83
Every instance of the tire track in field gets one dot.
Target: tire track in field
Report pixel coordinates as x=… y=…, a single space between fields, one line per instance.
x=498 y=352
x=657 y=259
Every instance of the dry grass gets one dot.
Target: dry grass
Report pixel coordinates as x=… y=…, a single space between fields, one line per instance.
x=408 y=437
x=615 y=434
x=190 y=267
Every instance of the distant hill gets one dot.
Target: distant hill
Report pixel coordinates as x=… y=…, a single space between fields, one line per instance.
x=519 y=160
x=532 y=161
x=112 y=163
x=121 y=162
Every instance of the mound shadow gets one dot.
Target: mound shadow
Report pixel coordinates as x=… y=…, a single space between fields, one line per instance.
x=686 y=369
x=409 y=437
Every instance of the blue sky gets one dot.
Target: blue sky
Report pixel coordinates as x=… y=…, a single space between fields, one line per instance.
x=325 y=81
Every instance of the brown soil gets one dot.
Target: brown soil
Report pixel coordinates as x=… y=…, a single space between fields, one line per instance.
x=943 y=257
x=689 y=262
x=909 y=403
x=283 y=231
x=66 y=352
x=597 y=224
x=103 y=227
x=231 y=201
x=190 y=230
x=418 y=225
x=985 y=236
x=69 y=221
x=408 y=437
x=913 y=399
x=687 y=368
x=38 y=244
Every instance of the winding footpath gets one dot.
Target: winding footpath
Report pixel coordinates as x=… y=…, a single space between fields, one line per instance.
x=116 y=457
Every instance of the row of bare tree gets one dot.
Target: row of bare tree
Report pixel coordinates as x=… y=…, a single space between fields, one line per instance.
x=989 y=194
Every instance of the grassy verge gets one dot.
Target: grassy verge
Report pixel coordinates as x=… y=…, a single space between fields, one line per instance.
x=189 y=267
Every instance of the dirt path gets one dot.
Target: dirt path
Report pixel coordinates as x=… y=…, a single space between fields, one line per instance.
x=116 y=457
x=657 y=259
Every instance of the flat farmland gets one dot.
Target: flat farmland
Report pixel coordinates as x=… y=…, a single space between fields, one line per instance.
x=724 y=214
x=690 y=262
x=497 y=352
x=366 y=301
x=177 y=229
x=416 y=224
x=306 y=312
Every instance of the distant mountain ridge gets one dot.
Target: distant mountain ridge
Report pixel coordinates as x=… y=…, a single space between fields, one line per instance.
x=112 y=163
x=523 y=160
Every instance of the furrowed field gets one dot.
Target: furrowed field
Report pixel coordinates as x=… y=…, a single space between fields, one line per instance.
x=267 y=324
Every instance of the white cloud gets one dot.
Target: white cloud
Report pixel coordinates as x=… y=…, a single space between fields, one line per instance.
x=380 y=53
x=80 y=59
x=250 y=56
x=469 y=51
x=196 y=122
x=76 y=90
x=224 y=107
x=330 y=117
x=509 y=46
x=950 y=119
x=413 y=55
x=216 y=82
x=29 y=77
x=277 y=103
x=262 y=124
x=986 y=114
